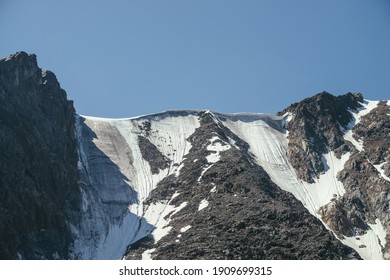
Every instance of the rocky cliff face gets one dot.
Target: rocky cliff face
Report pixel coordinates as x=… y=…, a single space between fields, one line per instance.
x=233 y=210
x=358 y=131
x=309 y=183
x=315 y=129
x=38 y=159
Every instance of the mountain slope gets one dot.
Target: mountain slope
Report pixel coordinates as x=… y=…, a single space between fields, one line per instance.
x=345 y=144
x=190 y=184
x=206 y=174
x=265 y=141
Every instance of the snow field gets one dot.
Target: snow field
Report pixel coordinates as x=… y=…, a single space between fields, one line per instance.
x=169 y=135
x=269 y=147
x=156 y=214
x=368 y=245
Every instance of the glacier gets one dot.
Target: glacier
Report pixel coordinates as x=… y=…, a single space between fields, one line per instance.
x=116 y=179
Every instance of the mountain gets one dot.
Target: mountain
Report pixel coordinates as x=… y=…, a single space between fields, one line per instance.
x=311 y=182
x=39 y=194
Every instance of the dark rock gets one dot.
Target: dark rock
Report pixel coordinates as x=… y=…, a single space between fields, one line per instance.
x=151 y=154
x=38 y=162
x=315 y=128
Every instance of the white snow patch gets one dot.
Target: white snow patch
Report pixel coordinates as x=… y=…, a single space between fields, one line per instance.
x=368 y=245
x=216 y=146
x=147 y=254
x=214 y=189
x=184 y=229
x=379 y=168
x=203 y=204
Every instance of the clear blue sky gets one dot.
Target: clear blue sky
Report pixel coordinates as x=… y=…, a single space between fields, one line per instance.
x=123 y=58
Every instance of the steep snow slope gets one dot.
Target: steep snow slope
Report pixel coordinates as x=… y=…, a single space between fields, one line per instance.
x=268 y=143
x=369 y=245
x=269 y=146
x=117 y=179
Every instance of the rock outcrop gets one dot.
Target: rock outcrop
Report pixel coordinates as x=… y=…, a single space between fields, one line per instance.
x=325 y=123
x=38 y=162
x=315 y=128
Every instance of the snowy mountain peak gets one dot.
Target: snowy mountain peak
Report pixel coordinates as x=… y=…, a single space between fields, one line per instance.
x=318 y=126
x=311 y=182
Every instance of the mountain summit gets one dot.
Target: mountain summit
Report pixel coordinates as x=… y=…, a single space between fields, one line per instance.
x=311 y=182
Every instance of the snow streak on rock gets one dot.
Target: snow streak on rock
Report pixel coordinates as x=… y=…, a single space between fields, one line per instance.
x=379 y=168
x=367 y=107
x=216 y=146
x=269 y=146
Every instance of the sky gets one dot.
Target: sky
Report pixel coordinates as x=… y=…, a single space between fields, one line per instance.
x=124 y=58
